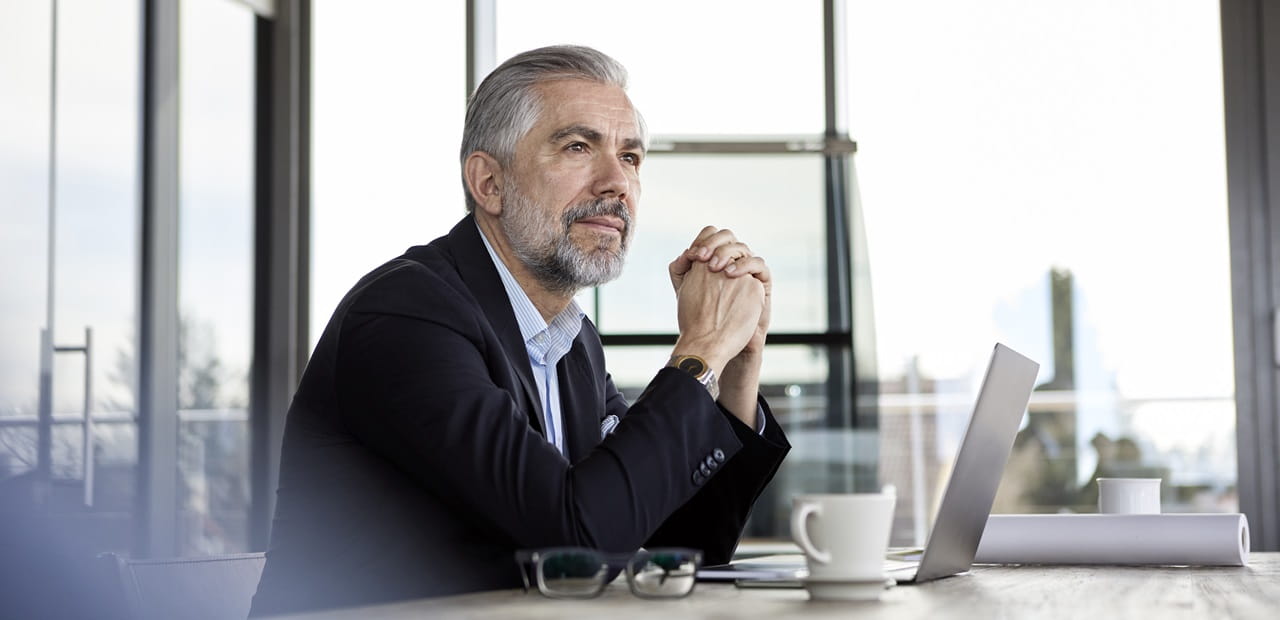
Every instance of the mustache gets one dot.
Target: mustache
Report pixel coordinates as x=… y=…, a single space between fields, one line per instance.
x=597 y=208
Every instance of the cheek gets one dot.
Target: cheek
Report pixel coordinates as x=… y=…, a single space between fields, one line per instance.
x=564 y=188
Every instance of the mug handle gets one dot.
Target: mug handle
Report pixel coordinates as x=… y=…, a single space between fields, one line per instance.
x=799 y=520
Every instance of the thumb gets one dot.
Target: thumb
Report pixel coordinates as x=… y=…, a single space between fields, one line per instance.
x=678 y=268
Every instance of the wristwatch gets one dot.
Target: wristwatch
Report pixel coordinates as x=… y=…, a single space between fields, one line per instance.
x=698 y=367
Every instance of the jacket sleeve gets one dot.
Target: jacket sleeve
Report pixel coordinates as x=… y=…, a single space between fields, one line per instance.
x=714 y=518
x=421 y=392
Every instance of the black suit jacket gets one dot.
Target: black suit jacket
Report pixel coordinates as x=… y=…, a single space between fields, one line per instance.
x=414 y=462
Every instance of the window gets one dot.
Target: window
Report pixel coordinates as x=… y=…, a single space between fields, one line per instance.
x=734 y=103
x=389 y=94
x=711 y=68
x=69 y=157
x=215 y=279
x=1051 y=176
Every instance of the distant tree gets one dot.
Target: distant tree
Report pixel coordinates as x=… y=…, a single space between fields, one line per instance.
x=202 y=376
x=200 y=372
x=124 y=375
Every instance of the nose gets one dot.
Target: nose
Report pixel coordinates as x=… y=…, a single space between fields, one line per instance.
x=612 y=178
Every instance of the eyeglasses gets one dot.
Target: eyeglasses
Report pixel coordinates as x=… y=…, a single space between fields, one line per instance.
x=577 y=572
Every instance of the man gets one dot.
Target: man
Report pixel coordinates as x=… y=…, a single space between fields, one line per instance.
x=457 y=408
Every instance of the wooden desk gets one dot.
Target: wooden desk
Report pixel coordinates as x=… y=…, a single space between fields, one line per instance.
x=1089 y=592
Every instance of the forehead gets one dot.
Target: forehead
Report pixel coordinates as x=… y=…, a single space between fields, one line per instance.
x=603 y=107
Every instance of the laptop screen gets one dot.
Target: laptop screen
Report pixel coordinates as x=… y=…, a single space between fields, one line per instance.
x=979 y=464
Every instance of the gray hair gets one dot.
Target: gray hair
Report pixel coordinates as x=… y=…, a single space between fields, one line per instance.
x=507 y=104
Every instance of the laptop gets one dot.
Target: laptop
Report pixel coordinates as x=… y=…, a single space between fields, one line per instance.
x=966 y=503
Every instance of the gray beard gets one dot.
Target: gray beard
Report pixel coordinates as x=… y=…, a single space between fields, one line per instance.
x=547 y=251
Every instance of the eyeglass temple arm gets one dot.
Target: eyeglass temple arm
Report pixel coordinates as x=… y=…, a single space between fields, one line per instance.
x=523 y=558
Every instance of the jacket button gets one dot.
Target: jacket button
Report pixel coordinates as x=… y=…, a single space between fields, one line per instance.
x=710 y=462
x=704 y=470
x=698 y=479
x=719 y=455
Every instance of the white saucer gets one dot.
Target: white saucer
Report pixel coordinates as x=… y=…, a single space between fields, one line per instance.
x=847 y=589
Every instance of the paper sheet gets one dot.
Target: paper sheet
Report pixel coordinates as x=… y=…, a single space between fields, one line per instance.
x=1158 y=539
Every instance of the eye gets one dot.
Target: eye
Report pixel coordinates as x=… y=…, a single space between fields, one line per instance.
x=576 y=147
x=631 y=158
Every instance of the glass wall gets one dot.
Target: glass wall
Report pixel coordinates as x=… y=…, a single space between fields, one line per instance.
x=215 y=277
x=731 y=74
x=69 y=161
x=1051 y=176
x=1047 y=175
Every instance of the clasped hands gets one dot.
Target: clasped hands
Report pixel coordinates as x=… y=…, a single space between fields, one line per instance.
x=722 y=309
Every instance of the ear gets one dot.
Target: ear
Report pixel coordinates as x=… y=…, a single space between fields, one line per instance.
x=483 y=174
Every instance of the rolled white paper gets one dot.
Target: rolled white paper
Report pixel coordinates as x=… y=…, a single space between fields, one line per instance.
x=1158 y=539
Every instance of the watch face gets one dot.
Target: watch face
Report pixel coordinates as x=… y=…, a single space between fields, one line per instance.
x=691 y=365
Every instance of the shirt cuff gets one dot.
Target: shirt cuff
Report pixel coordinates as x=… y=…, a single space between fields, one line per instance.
x=760 y=419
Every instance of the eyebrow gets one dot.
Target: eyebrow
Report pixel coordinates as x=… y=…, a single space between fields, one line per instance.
x=592 y=135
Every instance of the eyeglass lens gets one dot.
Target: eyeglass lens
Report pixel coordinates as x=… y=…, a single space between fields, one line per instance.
x=662 y=573
x=571 y=573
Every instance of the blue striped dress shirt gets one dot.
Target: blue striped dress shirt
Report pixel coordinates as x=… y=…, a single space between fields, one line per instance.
x=545 y=343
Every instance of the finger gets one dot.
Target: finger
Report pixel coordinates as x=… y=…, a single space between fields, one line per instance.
x=748 y=266
x=695 y=248
x=727 y=253
x=708 y=240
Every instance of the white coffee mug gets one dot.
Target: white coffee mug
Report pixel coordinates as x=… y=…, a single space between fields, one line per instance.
x=844 y=537
x=1129 y=495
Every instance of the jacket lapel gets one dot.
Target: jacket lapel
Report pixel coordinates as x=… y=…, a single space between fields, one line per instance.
x=581 y=401
x=478 y=273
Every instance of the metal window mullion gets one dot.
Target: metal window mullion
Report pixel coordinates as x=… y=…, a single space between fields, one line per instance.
x=44 y=407
x=838 y=339
x=835 y=91
x=1266 y=217
x=482 y=41
x=840 y=373
x=1251 y=83
x=848 y=374
x=840 y=392
x=156 y=522
x=828 y=145
x=262 y=8
x=281 y=243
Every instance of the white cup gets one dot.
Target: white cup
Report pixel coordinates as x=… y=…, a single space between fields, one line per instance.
x=844 y=537
x=1129 y=495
